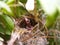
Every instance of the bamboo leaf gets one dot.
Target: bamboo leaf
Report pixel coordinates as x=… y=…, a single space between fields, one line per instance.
x=8 y=23
x=23 y=1
x=50 y=8
x=20 y=10
x=10 y=1
x=38 y=4
x=5 y=8
x=1 y=29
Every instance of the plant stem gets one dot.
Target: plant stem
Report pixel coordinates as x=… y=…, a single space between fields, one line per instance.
x=16 y=2
x=35 y=11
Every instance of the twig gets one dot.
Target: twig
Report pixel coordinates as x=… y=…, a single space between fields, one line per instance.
x=32 y=35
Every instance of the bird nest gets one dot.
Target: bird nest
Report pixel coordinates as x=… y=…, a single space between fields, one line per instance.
x=29 y=27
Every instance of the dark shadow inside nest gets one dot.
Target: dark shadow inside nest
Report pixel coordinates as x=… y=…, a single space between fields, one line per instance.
x=30 y=23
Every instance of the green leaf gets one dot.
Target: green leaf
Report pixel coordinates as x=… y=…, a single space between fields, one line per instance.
x=38 y=4
x=1 y=29
x=20 y=10
x=23 y=1
x=58 y=41
x=51 y=41
x=48 y=6
x=5 y=8
x=50 y=9
x=7 y=37
x=58 y=5
x=51 y=19
x=4 y=37
x=8 y=23
x=3 y=0
x=9 y=1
